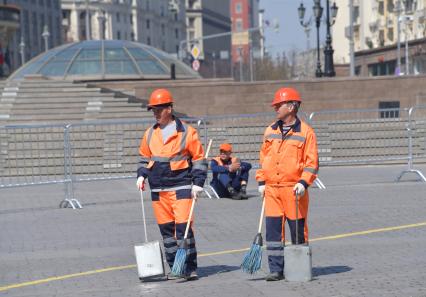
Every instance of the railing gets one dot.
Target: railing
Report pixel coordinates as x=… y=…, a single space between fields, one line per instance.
x=361 y=136
x=91 y=151
x=32 y=155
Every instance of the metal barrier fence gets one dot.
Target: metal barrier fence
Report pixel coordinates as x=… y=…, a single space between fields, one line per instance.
x=361 y=136
x=416 y=140
x=89 y=151
x=32 y=155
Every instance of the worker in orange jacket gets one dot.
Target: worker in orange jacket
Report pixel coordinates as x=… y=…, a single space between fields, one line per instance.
x=230 y=174
x=289 y=164
x=174 y=164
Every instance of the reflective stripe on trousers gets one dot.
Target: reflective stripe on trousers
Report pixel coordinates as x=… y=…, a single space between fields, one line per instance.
x=172 y=210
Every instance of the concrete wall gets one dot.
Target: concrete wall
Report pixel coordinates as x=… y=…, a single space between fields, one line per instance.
x=211 y=97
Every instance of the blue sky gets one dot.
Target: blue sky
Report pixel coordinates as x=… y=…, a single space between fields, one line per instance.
x=291 y=34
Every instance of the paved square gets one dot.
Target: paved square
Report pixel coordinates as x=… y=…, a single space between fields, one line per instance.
x=47 y=251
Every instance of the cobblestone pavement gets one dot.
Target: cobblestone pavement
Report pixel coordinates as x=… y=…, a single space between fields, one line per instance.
x=47 y=251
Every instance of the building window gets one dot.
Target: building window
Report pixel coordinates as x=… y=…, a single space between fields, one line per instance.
x=118 y=35
x=35 y=33
x=238 y=7
x=132 y=36
x=131 y=20
x=162 y=11
x=382 y=68
x=393 y=111
x=381 y=8
x=148 y=40
x=239 y=25
x=148 y=6
x=356 y=14
x=391 y=6
x=176 y=17
x=358 y=70
x=409 y=5
x=117 y=16
x=191 y=4
x=148 y=24
x=176 y=33
x=381 y=37
x=163 y=29
x=390 y=34
x=191 y=22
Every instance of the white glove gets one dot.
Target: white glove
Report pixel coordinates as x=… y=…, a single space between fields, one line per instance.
x=299 y=189
x=140 y=183
x=195 y=191
x=261 y=190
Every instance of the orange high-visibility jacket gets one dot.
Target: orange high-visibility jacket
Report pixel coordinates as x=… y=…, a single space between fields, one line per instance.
x=286 y=161
x=220 y=162
x=178 y=163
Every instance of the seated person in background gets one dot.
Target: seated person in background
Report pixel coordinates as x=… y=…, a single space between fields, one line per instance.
x=230 y=176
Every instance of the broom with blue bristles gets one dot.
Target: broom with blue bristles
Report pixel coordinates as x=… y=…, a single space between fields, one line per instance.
x=253 y=258
x=180 y=258
x=181 y=254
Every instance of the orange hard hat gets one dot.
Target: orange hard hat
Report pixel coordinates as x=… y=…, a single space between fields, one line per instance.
x=160 y=97
x=286 y=94
x=225 y=147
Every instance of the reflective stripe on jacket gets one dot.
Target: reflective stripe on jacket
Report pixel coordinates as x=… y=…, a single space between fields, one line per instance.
x=178 y=162
x=288 y=159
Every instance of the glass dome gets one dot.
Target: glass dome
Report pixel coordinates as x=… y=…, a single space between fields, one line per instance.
x=103 y=60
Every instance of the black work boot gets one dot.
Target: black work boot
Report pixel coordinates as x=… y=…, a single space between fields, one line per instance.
x=231 y=191
x=191 y=276
x=274 y=276
x=243 y=192
x=234 y=194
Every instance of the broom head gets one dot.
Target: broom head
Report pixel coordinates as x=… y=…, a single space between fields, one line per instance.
x=180 y=259
x=253 y=258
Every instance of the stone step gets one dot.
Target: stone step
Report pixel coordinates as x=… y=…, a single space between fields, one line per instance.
x=63 y=99
x=23 y=90
x=48 y=94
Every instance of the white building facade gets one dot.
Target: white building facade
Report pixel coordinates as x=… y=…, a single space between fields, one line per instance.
x=153 y=22
x=375 y=24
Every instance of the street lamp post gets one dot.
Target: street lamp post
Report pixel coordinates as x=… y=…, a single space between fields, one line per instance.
x=398 y=42
x=328 y=50
x=22 y=50
x=240 y=58
x=307 y=28
x=45 y=36
x=214 y=64
x=406 y=18
x=318 y=14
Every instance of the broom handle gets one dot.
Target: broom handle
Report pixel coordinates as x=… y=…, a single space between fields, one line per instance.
x=208 y=148
x=189 y=219
x=297 y=218
x=143 y=215
x=193 y=201
x=261 y=215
